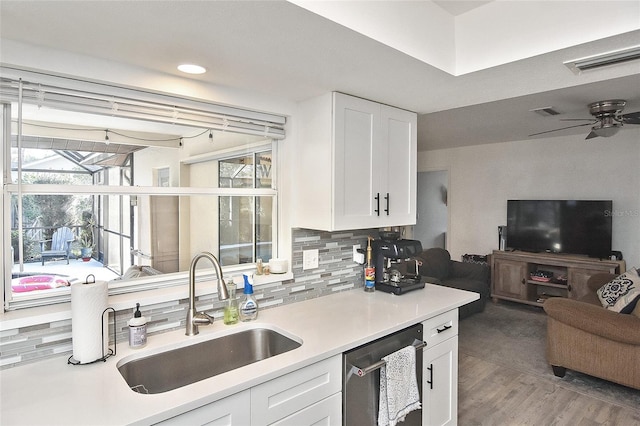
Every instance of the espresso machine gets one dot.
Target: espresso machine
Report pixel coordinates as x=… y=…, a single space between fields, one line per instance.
x=396 y=267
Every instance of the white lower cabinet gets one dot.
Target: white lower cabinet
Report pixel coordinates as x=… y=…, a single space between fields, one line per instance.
x=313 y=395
x=228 y=411
x=440 y=370
x=308 y=396
x=326 y=412
x=292 y=393
x=440 y=384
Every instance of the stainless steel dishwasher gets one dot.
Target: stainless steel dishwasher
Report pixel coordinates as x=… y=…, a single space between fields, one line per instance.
x=361 y=377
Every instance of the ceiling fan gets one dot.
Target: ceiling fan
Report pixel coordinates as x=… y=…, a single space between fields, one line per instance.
x=608 y=119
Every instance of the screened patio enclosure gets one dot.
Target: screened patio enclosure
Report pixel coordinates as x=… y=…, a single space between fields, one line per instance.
x=101 y=225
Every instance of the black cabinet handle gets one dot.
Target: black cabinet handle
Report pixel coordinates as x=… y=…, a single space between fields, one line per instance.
x=387 y=209
x=445 y=328
x=430 y=381
x=377 y=198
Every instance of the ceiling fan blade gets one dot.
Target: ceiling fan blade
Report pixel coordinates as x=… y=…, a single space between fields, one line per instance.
x=591 y=135
x=631 y=118
x=578 y=119
x=563 y=128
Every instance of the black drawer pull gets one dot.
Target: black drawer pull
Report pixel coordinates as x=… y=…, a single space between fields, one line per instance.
x=445 y=328
x=430 y=381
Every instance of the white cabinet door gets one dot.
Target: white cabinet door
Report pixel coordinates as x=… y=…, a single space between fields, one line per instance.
x=375 y=164
x=293 y=392
x=356 y=146
x=308 y=396
x=398 y=160
x=440 y=384
x=230 y=411
x=327 y=412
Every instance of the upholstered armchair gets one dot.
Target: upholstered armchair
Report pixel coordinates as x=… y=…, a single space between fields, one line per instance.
x=583 y=336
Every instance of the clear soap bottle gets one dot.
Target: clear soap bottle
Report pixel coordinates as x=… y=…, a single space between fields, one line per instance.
x=248 y=306
x=231 y=308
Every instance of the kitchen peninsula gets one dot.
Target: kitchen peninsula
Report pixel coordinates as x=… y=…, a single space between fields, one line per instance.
x=53 y=392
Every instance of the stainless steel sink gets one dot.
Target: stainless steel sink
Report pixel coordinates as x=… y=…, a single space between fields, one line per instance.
x=172 y=369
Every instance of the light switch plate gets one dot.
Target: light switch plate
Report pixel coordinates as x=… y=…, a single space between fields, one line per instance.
x=310 y=259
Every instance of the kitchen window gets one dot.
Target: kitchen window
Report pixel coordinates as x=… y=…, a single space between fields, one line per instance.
x=246 y=222
x=142 y=187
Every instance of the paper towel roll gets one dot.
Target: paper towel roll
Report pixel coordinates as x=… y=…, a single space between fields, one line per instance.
x=88 y=302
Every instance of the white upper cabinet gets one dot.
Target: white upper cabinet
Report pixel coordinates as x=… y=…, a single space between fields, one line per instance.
x=355 y=164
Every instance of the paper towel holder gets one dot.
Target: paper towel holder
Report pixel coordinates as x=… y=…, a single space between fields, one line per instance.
x=105 y=354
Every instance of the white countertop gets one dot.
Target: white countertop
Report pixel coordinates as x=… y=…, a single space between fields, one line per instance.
x=52 y=392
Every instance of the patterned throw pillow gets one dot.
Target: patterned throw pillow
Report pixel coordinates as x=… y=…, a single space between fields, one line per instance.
x=622 y=293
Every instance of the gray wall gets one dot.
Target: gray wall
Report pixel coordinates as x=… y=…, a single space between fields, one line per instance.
x=431 y=226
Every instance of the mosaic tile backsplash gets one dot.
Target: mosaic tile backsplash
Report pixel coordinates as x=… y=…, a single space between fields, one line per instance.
x=336 y=272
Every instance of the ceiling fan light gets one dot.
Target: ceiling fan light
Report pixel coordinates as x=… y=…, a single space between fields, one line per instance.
x=606 y=131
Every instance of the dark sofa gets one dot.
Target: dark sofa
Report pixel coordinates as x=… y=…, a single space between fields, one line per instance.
x=438 y=268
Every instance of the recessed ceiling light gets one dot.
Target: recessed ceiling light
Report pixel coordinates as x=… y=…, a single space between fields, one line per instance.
x=192 y=69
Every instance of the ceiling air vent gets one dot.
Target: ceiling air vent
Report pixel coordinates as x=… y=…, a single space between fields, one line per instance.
x=545 y=111
x=604 y=59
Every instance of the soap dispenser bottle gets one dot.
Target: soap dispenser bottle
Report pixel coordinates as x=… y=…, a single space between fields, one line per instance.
x=137 y=329
x=249 y=306
x=231 y=309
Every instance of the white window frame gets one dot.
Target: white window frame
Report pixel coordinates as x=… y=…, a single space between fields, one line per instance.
x=243 y=121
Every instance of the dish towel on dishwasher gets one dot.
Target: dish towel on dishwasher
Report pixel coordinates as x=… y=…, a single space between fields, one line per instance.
x=399 y=393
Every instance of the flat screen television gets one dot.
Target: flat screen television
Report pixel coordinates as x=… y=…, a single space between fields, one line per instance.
x=560 y=226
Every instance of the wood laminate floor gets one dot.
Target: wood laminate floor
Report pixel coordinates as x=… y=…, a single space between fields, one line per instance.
x=491 y=394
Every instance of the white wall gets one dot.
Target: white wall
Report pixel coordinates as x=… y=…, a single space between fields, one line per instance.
x=418 y=28
x=493 y=35
x=484 y=177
